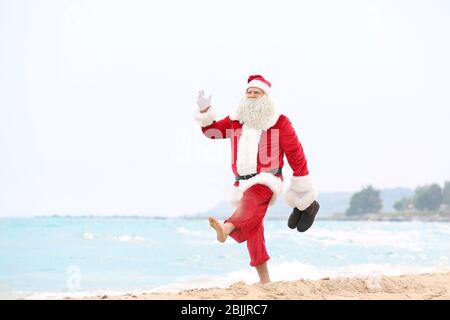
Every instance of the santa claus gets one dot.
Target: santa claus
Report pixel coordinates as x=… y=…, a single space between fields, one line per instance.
x=260 y=137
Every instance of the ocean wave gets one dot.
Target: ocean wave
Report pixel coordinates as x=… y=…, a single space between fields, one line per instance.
x=88 y=236
x=129 y=238
x=411 y=240
x=292 y=271
x=195 y=233
x=286 y=271
x=75 y=295
x=124 y=237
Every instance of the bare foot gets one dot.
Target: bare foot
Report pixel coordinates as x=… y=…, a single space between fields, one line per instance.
x=216 y=225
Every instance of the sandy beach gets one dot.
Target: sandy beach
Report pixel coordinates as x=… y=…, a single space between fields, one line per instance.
x=405 y=287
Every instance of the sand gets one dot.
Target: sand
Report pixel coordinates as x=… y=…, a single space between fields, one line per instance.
x=405 y=287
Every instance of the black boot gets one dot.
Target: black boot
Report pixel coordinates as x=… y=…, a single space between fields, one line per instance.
x=304 y=219
x=294 y=218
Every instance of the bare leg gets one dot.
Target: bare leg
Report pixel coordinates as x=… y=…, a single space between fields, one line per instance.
x=263 y=272
x=228 y=227
x=222 y=230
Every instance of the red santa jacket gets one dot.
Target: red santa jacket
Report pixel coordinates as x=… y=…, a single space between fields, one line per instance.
x=262 y=150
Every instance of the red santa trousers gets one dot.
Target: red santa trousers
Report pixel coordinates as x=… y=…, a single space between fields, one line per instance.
x=248 y=220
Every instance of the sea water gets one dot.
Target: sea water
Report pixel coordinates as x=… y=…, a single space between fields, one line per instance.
x=68 y=256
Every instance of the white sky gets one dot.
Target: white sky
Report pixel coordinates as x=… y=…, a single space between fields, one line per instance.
x=97 y=97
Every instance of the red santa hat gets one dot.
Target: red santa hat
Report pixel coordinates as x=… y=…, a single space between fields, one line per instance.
x=258 y=81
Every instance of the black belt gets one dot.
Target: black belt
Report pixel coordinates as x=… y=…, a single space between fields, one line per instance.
x=248 y=176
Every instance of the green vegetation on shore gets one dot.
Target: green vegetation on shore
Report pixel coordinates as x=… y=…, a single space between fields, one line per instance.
x=429 y=203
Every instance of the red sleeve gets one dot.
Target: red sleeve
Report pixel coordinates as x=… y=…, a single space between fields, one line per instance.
x=293 y=149
x=218 y=129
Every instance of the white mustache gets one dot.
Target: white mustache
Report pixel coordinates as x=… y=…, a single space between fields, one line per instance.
x=256 y=113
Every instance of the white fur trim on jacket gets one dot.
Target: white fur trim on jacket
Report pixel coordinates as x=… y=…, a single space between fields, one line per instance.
x=206 y=118
x=300 y=193
x=274 y=183
x=247 y=150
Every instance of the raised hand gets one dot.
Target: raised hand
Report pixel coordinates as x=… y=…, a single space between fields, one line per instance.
x=203 y=102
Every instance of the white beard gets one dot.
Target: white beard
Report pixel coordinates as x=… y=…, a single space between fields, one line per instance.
x=258 y=113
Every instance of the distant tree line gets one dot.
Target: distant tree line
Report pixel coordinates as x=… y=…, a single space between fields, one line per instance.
x=431 y=197
x=426 y=198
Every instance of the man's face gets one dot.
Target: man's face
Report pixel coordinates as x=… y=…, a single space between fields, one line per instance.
x=254 y=93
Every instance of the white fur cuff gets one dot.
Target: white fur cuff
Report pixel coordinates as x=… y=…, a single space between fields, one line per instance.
x=300 y=193
x=206 y=118
x=301 y=184
x=274 y=183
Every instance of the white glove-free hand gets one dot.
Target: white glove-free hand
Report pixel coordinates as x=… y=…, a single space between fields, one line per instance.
x=203 y=102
